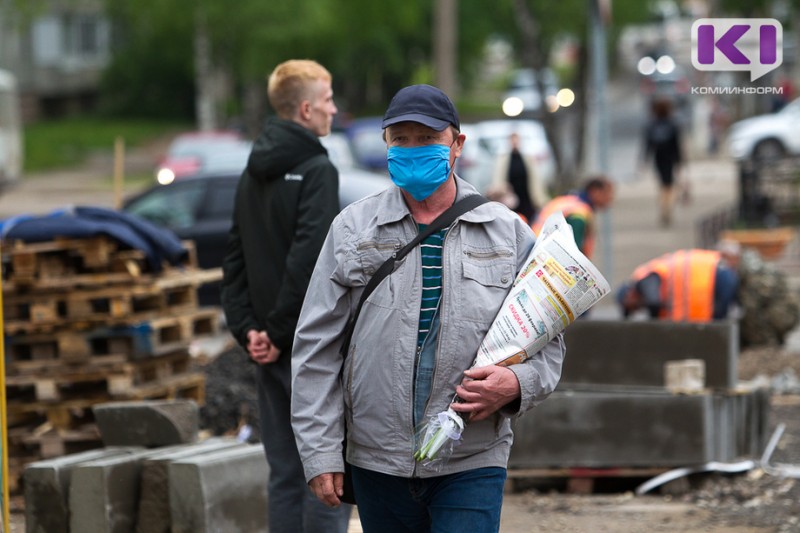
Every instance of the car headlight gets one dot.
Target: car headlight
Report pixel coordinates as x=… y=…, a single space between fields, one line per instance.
x=513 y=106
x=165 y=176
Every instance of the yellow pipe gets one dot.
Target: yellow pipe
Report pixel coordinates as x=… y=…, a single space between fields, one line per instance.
x=4 y=419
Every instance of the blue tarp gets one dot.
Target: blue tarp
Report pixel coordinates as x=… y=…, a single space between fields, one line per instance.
x=157 y=243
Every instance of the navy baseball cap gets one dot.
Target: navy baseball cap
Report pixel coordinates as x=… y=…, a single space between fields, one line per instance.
x=424 y=104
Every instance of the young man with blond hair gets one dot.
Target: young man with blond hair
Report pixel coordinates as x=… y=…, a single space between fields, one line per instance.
x=285 y=202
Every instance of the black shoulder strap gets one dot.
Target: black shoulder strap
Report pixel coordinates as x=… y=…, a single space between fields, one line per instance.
x=442 y=221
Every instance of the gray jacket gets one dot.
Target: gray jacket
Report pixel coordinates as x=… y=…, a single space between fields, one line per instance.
x=483 y=251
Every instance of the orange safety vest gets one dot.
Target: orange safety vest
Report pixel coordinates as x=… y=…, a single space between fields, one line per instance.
x=569 y=205
x=687 y=283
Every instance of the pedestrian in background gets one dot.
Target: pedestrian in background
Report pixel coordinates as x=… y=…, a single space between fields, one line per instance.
x=415 y=337
x=662 y=144
x=515 y=176
x=286 y=199
x=579 y=210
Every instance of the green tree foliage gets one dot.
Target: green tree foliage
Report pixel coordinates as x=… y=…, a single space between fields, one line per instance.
x=368 y=46
x=372 y=48
x=151 y=73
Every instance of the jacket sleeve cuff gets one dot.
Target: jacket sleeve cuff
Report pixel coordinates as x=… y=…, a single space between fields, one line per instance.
x=538 y=376
x=241 y=337
x=322 y=464
x=517 y=407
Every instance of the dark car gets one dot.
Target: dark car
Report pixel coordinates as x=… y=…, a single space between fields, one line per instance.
x=200 y=208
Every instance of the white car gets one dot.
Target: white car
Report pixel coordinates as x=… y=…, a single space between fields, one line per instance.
x=489 y=139
x=523 y=93
x=767 y=136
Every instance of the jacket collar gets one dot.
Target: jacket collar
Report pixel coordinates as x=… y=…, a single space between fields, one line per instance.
x=392 y=206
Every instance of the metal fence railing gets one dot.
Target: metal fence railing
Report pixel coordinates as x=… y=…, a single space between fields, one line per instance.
x=769 y=196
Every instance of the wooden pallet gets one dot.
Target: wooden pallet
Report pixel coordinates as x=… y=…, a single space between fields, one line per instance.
x=136 y=340
x=74 y=412
x=26 y=313
x=54 y=384
x=69 y=263
x=63 y=415
x=189 y=385
x=30 y=444
x=44 y=442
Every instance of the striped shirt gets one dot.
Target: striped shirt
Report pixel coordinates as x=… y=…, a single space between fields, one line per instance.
x=431 y=249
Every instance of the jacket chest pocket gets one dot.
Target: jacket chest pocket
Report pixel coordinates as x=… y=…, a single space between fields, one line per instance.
x=488 y=274
x=371 y=255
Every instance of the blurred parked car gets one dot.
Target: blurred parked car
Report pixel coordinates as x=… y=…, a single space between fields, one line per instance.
x=369 y=148
x=523 y=92
x=190 y=153
x=488 y=139
x=200 y=208
x=765 y=137
x=340 y=151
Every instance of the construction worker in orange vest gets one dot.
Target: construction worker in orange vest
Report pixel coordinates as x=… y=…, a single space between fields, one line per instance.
x=578 y=209
x=687 y=285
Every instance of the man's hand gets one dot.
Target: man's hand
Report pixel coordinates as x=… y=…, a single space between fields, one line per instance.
x=328 y=488
x=260 y=347
x=485 y=390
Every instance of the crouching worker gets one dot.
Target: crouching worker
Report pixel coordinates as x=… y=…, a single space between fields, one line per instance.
x=687 y=285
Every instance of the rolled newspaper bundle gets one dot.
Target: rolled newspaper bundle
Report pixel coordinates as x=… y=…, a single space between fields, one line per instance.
x=556 y=286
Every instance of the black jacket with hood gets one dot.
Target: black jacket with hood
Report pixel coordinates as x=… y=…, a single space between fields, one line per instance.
x=286 y=200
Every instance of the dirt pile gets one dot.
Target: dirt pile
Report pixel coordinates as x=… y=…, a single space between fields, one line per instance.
x=231 y=395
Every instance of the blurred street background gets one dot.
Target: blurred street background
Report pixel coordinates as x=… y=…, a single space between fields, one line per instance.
x=182 y=92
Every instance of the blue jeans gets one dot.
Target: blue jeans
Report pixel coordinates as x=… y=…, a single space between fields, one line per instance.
x=293 y=508
x=455 y=503
x=726 y=285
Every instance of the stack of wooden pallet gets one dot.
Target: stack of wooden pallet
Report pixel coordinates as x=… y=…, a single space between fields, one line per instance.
x=86 y=322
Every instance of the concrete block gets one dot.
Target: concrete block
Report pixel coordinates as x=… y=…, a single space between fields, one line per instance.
x=685 y=375
x=616 y=430
x=154 y=510
x=745 y=416
x=47 y=488
x=148 y=423
x=220 y=492
x=633 y=353
x=104 y=493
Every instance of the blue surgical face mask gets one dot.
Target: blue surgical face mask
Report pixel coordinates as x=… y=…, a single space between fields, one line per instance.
x=419 y=170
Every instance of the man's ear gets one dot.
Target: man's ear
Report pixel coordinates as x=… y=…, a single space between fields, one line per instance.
x=458 y=144
x=305 y=110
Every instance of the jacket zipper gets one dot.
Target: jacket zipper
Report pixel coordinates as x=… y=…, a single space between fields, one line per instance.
x=377 y=246
x=438 y=342
x=488 y=255
x=350 y=356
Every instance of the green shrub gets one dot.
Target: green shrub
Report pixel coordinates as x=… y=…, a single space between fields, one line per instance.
x=67 y=142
